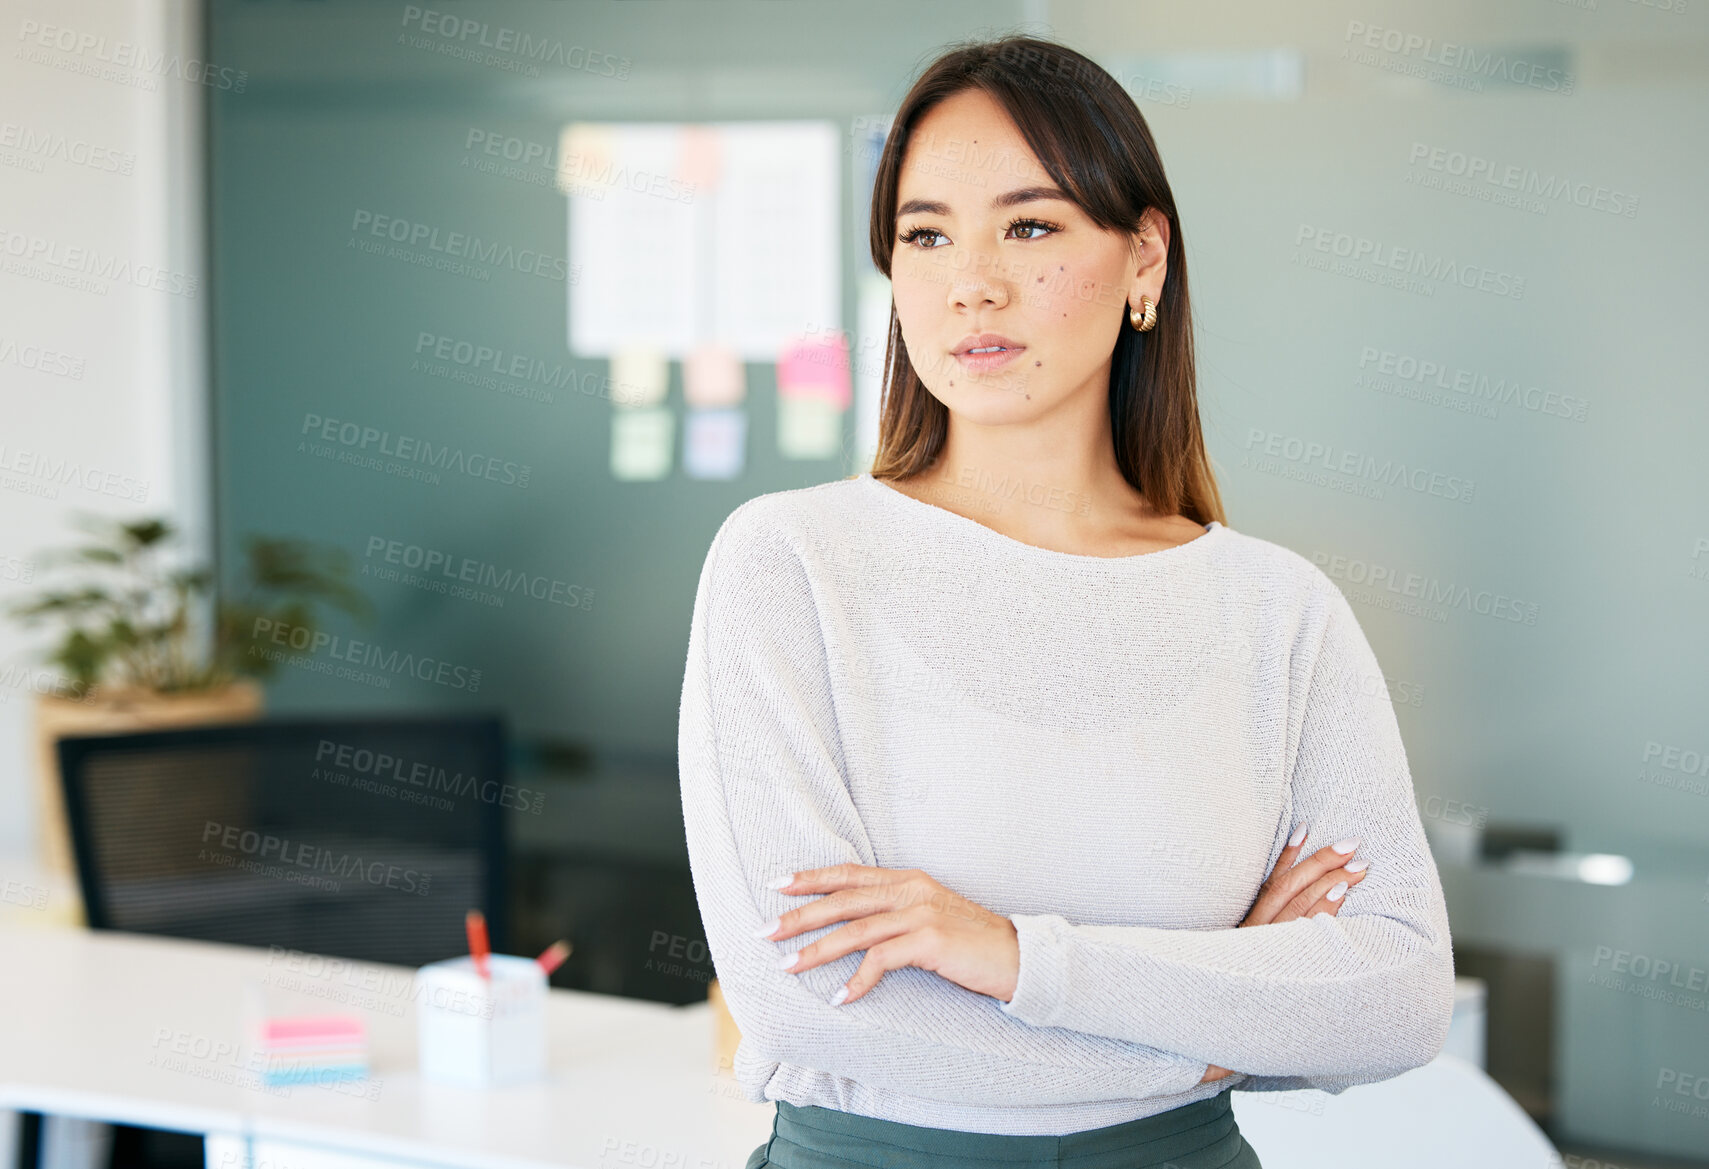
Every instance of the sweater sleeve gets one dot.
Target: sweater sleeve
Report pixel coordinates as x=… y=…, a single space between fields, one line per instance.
x=764 y=793
x=1351 y=998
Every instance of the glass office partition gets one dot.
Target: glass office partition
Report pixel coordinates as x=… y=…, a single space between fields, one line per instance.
x=1448 y=264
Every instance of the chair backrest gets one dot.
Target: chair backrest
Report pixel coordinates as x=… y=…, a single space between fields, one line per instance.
x=362 y=838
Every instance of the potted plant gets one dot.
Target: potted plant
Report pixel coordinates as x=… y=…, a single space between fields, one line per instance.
x=144 y=645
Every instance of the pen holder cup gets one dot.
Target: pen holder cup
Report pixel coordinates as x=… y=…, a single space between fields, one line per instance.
x=482 y=1033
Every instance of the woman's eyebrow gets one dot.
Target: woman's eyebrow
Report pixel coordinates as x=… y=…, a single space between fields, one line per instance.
x=1007 y=199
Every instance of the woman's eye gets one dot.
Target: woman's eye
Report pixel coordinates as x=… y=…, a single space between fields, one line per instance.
x=1037 y=226
x=910 y=236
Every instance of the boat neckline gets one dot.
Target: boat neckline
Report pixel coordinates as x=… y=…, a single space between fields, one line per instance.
x=955 y=519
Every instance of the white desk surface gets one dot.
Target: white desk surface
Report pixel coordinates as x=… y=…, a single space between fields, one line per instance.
x=89 y=1022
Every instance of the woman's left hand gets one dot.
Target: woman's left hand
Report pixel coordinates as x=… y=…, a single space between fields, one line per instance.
x=900 y=917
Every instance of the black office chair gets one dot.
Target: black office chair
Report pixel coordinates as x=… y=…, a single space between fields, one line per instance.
x=364 y=838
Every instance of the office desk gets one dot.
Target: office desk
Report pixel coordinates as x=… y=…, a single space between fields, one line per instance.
x=149 y=1031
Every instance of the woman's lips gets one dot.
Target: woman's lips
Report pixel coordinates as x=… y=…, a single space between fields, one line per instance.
x=981 y=362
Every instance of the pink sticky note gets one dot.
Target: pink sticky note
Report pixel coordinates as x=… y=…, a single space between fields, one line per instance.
x=313 y=1028
x=816 y=367
x=701 y=159
x=712 y=375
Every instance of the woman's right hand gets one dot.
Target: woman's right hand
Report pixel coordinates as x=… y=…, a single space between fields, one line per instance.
x=1316 y=885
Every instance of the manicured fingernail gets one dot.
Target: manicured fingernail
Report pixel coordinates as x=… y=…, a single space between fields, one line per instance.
x=1346 y=846
x=769 y=928
x=837 y=999
x=1356 y=866
x=1298 y=838
x=780 y=882
x=789 y=960
x=1336 y=893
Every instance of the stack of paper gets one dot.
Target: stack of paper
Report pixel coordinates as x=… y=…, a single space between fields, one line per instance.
x=313 y=1049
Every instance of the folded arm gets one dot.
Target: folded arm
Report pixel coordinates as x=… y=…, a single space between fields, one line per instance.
x=1327 y=1001
x=764 y=793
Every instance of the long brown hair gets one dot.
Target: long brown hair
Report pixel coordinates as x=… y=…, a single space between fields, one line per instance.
x=1092 y=140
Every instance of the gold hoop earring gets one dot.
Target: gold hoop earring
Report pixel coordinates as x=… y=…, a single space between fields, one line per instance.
x=1143 y=318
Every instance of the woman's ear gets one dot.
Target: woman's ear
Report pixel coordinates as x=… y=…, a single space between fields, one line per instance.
x=1151 y=255
x=1155 y=225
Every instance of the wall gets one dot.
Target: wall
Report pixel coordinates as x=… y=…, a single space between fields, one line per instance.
x=103 y=405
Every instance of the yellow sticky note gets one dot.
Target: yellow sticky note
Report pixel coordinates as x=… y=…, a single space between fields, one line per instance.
x=639 y=375
x=585 y=154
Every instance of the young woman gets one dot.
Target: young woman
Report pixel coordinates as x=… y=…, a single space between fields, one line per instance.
x=998 y=761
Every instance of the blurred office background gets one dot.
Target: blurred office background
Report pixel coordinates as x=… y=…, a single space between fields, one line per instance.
x=1461 y=238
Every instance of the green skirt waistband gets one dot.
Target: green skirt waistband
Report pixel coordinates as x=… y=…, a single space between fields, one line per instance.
x=1200 y=1135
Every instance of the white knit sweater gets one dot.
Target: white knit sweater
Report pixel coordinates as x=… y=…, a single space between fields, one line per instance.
x=1111 y=752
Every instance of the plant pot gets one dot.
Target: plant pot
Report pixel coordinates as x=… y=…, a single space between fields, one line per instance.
x=111 y=713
